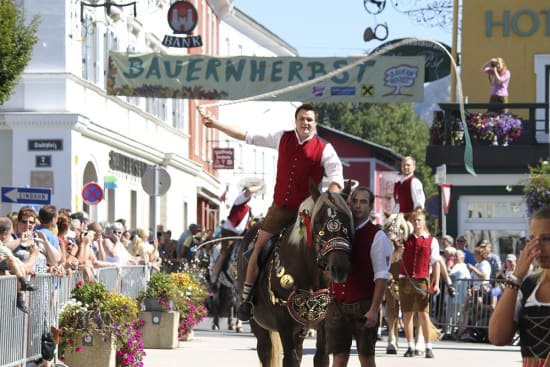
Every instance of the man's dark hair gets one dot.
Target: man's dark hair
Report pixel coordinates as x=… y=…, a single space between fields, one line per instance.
x=305 y=107
x=46 y=214
x=364 y=189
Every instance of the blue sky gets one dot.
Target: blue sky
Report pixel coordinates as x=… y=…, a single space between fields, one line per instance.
x=333 y=28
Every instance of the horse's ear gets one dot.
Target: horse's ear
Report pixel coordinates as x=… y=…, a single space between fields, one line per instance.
x=387 y=214
x=313 y=189
x=347 y=189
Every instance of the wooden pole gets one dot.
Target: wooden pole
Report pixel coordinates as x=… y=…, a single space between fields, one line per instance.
x=454 y=51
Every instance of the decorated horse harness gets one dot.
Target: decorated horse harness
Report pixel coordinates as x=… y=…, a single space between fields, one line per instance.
x=309 y=307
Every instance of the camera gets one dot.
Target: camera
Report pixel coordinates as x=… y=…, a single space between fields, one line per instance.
x=494 y=64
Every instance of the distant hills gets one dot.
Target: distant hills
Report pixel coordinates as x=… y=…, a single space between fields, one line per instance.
x=434 y=93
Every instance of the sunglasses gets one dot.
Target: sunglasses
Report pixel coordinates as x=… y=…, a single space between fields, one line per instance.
x=117 y=232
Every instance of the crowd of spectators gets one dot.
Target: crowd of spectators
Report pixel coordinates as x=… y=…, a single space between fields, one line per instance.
x=58 y=241
x=478 y=275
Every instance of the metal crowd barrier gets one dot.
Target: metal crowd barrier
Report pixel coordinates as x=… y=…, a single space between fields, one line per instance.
x=471 y=308
x=20 y=333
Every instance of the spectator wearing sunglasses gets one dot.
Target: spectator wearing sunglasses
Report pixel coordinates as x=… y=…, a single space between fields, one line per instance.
x=115 y=251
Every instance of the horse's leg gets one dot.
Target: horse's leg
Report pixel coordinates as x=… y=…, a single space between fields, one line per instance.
x=216 y=310
x=320 y=359
x=392 y=317
x=292 y=340
x=263 y=344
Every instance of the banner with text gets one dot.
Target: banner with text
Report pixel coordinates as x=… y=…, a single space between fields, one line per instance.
x=380 y=80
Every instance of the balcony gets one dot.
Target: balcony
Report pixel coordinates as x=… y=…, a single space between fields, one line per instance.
x=532 y=146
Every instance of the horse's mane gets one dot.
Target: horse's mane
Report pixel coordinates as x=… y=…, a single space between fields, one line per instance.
x=338 y=202
x=397 y=228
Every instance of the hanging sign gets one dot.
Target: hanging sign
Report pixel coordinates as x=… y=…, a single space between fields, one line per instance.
x=224 y=158
x=182 y=18
x=384 y=79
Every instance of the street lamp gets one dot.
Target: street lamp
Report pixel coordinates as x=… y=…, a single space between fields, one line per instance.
x=107 y=5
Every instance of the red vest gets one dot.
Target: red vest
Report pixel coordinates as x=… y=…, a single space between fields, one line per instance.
x=360 y=282
x=416 y=257
x=296 y=164
x=402 y=194
x=237 y=213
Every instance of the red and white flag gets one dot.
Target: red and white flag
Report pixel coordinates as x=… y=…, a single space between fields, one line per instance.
x=446 y=195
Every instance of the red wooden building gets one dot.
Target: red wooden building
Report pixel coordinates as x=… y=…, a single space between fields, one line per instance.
x=371 y=164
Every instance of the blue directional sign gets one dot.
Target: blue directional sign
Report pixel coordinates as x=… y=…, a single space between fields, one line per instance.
x=24 y=195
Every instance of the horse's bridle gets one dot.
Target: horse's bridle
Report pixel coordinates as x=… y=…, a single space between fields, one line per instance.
x=334 y=236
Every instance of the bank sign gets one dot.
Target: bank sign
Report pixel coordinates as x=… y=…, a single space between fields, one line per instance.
x=380 y=80
x=183 y=19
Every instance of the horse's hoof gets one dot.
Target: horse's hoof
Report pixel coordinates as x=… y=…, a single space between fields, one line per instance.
x=244 y=312
x=391 y=349
x=215 y=327
x=239 y=329
x=230 y=327
x=311 y=333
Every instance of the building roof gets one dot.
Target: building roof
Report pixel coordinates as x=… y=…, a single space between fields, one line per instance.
x=380 y=152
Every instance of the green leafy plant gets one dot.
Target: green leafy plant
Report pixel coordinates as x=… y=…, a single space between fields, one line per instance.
x=95 y=311
x=160 y=285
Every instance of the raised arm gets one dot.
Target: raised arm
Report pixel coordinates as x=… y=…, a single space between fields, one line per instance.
x=209 y=121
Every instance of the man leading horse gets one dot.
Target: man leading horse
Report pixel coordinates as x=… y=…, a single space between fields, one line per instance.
x=302 y=155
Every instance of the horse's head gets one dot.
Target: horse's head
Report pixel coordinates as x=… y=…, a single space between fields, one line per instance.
x=331 y=232
x=397 y=228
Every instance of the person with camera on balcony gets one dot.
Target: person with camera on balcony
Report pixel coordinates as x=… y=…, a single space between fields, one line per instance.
x=499 y=78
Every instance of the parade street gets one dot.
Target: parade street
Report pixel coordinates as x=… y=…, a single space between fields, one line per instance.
x=227 y=348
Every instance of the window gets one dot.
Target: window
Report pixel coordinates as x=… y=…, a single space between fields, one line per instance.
x=498 y=219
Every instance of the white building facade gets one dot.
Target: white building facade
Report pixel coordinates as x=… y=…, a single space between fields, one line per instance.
x=60 y=129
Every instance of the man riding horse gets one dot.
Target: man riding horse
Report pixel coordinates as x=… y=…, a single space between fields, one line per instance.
x=302 y=155
x=223 y=282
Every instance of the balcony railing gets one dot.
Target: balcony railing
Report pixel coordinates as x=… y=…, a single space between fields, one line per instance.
x=534 y=116
x=532 y=146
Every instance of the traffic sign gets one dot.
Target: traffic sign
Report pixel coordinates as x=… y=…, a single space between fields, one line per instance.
x=26 y=195
x=148 y=180
x=433 y=206
x=92 y=193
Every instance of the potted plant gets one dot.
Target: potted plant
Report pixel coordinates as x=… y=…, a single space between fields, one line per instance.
x=190 y=301
x=537 y=187
x=160 y=314
x=159 y=294
x=495 y=129
x=100 y=328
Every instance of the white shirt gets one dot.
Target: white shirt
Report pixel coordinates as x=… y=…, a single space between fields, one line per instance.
x=329 y=159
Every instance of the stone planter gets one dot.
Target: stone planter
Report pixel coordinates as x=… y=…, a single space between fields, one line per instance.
x=152 y=304
x=95 y=353
x=160 y=330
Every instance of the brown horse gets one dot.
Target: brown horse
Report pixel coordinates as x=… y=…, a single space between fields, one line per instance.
x=291 y=295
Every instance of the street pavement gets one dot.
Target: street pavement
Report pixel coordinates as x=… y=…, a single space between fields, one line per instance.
x=227 y=348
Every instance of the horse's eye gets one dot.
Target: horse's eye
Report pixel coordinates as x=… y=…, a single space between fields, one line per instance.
x=321 y=233
x=345 y=230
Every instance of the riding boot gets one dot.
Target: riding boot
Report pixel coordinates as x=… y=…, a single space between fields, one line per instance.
x=244 y=312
